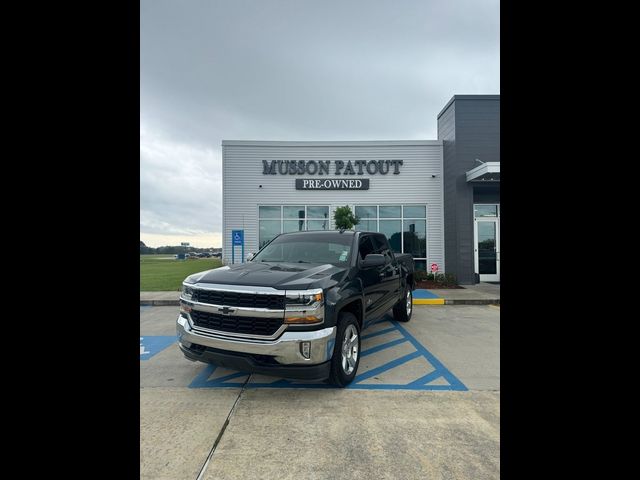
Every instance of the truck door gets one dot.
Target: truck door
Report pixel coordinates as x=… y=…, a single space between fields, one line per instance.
x=389 y=275
x=374 y=293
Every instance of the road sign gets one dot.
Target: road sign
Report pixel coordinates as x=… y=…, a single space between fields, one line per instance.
x=434 y=267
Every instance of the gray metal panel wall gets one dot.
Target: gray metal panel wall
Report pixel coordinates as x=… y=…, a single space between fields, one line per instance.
x=486 y=193
x=476 y=134
x=243 y=173
x=447 y=133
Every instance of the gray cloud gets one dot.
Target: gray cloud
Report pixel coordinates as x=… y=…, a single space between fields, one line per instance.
x=293 y=70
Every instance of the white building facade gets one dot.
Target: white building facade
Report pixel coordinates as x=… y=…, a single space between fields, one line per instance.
x=394 y=187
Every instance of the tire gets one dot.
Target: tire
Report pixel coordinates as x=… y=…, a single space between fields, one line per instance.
x=347 y=327
x=403 y=310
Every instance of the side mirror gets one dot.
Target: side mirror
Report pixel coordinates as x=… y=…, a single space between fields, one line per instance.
x=250 y=256
x=373 y=260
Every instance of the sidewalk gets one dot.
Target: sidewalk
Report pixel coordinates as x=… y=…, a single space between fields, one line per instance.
x=479 y=294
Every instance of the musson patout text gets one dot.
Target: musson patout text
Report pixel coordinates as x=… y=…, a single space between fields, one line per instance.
x=321 y=167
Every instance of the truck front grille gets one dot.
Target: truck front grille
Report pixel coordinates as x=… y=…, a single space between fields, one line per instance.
x=234 y=299
x=232 y=324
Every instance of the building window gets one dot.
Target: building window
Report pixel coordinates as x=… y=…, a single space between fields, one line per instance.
x=405 y=226
x=276 y=219
x=486 y=210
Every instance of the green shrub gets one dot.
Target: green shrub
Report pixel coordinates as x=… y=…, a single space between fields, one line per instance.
x=450 y=279
x=445 y=279
x=420 y=275
x=344 y=218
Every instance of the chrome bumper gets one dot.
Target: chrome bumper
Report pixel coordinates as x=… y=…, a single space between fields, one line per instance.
x=286 y=349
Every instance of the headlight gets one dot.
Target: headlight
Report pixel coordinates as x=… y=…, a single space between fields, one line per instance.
x=304 y=306
x=187 y=292
x=303 y=298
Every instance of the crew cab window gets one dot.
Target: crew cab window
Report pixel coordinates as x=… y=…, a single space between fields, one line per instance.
x=366 y=247
x=381 y=246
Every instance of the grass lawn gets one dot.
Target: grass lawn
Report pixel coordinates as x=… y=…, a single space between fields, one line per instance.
x=164 y=273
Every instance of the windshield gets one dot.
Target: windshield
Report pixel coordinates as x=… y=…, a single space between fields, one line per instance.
x=307 y=249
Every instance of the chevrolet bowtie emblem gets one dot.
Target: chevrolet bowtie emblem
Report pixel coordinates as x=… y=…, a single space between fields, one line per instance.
x=226 y=310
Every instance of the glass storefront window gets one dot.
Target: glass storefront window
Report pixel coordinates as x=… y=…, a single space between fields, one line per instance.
x=486 y=210
x=268 y=230
x=420 y=265
x=274 y=220
x=293 y=212
x=393 y=230
x=415 y=238
x=318 y=224
x=405 y=227
x=367 y=225
x=366 y=212
x=317 y=212
x=292 y=226
x=390 y=211
x=269 y=212
x=411 y=211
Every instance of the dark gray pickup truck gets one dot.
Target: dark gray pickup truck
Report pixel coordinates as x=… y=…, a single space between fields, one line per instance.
x=297 y=308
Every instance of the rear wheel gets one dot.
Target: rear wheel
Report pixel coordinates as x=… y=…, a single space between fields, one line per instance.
x=404 y=308
x=346 y=353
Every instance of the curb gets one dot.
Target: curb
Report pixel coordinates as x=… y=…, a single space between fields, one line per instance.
x=428 y=301
x=482 y=301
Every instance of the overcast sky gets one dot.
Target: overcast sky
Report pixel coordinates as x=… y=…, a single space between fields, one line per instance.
x=291 y=70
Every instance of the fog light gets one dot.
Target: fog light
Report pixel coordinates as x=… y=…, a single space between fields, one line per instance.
x=305 y=349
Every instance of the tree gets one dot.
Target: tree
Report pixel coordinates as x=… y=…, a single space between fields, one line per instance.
x=344 y=218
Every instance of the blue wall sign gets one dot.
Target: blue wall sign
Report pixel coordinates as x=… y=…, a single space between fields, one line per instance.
x=237 y=238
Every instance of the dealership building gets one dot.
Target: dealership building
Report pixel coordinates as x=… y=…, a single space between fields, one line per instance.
x=438 y=200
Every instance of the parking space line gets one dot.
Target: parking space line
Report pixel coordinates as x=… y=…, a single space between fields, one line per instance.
x=381 y=332
x=438 y=371
x=384 y=346
x=449 y=377
x=429 y=377
x=386 y=366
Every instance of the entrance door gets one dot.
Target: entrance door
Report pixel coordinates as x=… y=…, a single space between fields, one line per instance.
x=487 y=242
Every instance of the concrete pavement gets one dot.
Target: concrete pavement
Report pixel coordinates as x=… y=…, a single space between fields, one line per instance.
x=302 y=432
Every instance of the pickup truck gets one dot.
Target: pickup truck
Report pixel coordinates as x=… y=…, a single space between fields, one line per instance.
x=297 y=308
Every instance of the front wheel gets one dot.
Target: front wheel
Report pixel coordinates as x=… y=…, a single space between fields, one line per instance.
x=346 y=353
x=404 y=308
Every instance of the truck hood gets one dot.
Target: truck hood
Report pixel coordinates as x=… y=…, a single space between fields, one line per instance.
x=282 y=276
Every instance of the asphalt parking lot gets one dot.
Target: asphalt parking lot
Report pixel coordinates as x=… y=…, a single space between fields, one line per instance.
x=425 y=404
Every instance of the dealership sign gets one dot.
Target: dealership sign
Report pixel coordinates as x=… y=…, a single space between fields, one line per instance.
x=322 y=167
x=332 y=184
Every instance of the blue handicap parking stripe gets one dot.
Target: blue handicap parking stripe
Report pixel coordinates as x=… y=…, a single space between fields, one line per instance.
x=387 y=366
x=384 y=346
x=151 y=345
x=422 y=293
x=380 y=332
x=422 y=383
